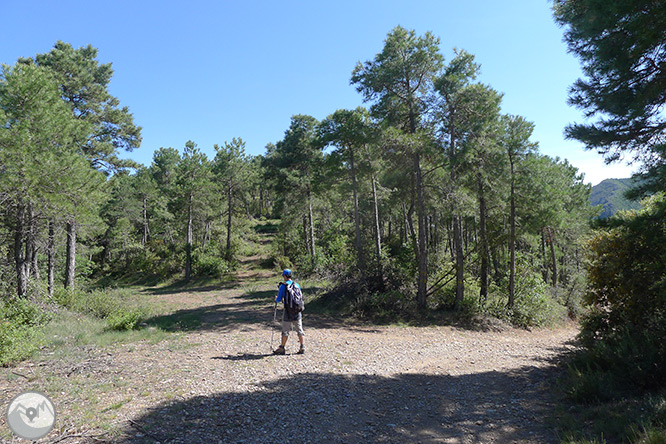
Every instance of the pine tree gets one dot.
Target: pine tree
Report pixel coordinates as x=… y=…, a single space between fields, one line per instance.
x=399 y=81
x=42 y=176
x=84 y=87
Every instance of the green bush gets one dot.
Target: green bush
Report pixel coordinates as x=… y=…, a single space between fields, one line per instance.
x=533 y=305
x=116 y=306
x=125 y=319
x=20 y=329
x=206 y=264
x=384 y=307
x=625 y=331
x=283 y=262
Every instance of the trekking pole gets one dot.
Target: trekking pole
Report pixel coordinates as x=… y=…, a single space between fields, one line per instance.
x=273 y=327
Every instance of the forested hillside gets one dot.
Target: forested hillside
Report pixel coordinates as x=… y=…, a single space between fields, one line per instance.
x=610 y=194
x=430 y=199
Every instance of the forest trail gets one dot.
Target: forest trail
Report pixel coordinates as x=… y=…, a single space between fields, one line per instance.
x=357 y=383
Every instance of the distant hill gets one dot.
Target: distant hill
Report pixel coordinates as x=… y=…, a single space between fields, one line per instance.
x=610 y=194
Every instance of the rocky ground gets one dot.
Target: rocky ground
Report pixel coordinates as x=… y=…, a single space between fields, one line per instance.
x=215 y=380
x=357 y=383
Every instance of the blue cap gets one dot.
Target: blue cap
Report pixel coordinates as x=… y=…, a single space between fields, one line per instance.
x=286 y=272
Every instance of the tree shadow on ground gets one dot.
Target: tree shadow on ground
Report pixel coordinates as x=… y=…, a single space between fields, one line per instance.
x=217 y=317
x=184 y=287
x=246 y=309
x=501 y=407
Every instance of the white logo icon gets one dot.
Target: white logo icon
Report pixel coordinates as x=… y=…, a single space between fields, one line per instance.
x=31 y=415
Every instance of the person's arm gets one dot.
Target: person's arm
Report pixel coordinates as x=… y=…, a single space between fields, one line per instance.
x=280 y=293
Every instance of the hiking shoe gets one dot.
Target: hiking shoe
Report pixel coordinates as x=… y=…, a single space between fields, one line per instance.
x=301 y=351
x=279 y=351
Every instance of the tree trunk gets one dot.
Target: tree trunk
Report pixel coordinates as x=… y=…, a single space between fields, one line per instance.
x=306 y=234
x=410 y=227
x=449 y=239
x=230 y=204
x=70 y=259
x=50 y=253
x=551 y=238
x=496 y=264
x=146 y=228
x=312 y=231
x=544 y=260
x=378 y=237
x=422 y=248
x=457 y=221
x=460 y=260
x=512 y=245
x=357 y=218
x=19 y=253
x=188 y=246
x=29 y=243
x=35 y=262
x=484 y=250
x=403 y=226
x=261 y=202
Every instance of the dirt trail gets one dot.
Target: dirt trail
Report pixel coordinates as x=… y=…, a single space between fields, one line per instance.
x=356 y=383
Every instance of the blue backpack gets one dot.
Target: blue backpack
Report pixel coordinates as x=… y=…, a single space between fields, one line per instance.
x=293 y=298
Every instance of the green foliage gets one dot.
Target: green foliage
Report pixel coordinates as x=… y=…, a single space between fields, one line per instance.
x=620 y=45
x=620 y=371
x=84 y=84
x=533 y=305
x=635 y=359
x=117 y=306
x=205 y=263
x=606 y=407
x=627 y=287
x=399 y=77
x=21 y=323
x=124 y=319
x=387 y=307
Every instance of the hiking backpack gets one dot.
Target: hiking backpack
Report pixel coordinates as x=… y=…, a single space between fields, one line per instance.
x=293 y=298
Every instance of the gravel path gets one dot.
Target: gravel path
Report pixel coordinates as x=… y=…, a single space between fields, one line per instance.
x=356 y=383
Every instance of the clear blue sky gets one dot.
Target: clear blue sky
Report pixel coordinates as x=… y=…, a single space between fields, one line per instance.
x=209 y=71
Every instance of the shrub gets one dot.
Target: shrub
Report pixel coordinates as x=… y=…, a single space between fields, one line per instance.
x=384 y=307
x=533 y=304
x=207 y=264
x=125 y=319
x=282 y=262
x=626 y=329
x=20 y=329
x=116 y=306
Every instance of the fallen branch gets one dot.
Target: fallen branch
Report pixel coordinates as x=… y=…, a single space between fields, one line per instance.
x=142 y=430
x=78 y=435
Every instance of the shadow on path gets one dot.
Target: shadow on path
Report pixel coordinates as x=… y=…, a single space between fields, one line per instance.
x=244 y=357
x=247 y=309
x=502 y=407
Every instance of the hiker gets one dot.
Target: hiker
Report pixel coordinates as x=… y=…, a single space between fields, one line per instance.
x=290 y=318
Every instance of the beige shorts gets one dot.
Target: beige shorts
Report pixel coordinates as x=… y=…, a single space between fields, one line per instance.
x=287 y=326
